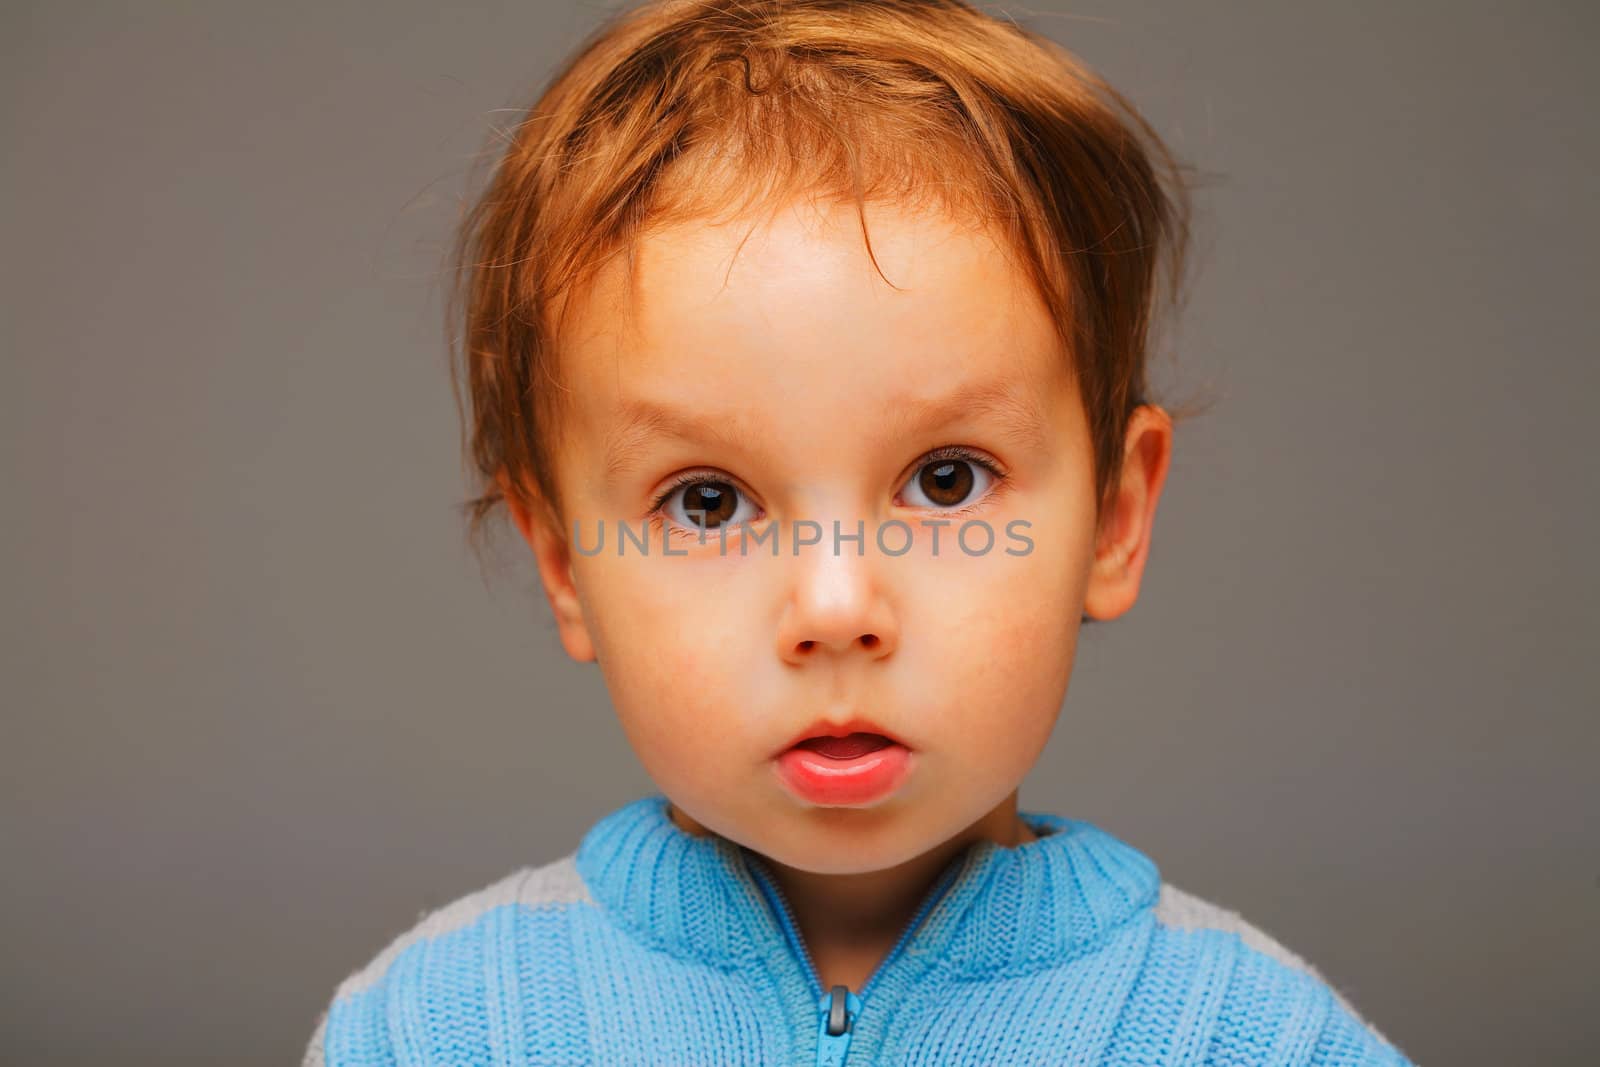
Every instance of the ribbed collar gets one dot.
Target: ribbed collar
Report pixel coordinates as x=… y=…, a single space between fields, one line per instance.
x=1005 y=910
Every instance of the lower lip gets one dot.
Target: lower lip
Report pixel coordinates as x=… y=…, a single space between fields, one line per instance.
x=870 y=777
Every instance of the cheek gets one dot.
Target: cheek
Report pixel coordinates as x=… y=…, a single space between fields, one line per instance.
x=1007 y=655
x=667 y=635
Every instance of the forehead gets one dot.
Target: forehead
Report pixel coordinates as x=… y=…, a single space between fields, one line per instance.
x=790 y=313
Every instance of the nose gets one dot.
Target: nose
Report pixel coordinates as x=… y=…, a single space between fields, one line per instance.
x=836 y=604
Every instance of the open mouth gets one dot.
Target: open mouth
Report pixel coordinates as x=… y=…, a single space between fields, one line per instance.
x=848 y=738
x=857 y=769
x=848 y=747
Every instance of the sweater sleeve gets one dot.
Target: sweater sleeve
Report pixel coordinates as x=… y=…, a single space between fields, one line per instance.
x=427 y=995
x=351 y=1032
x=1279 y=1007
x=1274 y=1013
x=1347 y=1041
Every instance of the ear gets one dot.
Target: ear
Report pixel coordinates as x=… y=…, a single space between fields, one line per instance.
x=1122 y=541
x=552 y=554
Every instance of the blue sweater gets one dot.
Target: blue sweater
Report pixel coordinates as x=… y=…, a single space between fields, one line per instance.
x=650 y=945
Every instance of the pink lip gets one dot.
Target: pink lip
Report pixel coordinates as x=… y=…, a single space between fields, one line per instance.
x=857 y=781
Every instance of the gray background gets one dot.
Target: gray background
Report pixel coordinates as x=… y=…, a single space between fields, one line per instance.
x=262 y=710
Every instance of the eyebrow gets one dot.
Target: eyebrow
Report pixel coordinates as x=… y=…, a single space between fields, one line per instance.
x=1015 y=412
x=643 y=421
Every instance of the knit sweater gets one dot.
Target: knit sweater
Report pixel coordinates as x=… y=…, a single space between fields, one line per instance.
x=651 y=945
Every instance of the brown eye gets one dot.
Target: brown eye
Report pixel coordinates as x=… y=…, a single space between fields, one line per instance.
x=946 y=482
x=950 y=480
x=706 y=504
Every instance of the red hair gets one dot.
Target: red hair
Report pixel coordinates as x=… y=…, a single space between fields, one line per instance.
x=717 y=109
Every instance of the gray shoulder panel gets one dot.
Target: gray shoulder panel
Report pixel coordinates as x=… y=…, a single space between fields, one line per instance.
x=313 y=1056
x=1174 y=907
x=554 y=883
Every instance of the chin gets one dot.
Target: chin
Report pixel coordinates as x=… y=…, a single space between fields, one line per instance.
x=839 y=840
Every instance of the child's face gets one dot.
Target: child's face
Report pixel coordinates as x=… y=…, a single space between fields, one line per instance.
x=797 y=375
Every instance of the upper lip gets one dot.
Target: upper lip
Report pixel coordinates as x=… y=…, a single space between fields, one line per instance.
x=840 y=728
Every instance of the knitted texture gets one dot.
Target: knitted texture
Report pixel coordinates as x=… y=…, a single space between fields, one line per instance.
x=650 y=945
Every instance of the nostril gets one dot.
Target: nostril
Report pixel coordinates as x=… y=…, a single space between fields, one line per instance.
x=867 y=641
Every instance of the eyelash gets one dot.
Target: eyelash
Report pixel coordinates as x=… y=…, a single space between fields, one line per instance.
x=996 y=471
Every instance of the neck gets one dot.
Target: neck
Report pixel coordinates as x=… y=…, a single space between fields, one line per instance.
x=850 y=922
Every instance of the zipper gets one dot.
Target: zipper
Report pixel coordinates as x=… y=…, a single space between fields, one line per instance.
x=839 y=1007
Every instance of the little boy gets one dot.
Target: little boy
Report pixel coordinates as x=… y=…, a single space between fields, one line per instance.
x=806 y=348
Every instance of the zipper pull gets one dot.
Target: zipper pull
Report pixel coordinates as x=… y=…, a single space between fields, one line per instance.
x=838 y=1011
x=839 y=1008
